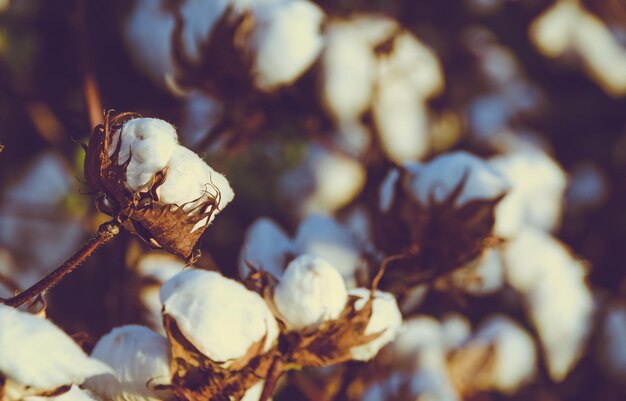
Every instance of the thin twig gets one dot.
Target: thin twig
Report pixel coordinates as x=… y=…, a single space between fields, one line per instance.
x=105 y=233
x=276 y=370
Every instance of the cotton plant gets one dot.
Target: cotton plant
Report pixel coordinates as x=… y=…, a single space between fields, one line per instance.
x=569 y=27
x=228 y=333
x=393 y=79
x=440 y=216
x=271 y=43
x=158 y=189
x=268 y=247
x=38 y=358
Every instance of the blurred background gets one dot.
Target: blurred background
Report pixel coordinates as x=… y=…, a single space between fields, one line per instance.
x=361 y=88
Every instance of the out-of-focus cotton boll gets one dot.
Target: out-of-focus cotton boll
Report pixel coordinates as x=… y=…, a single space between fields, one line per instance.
x=149 y=144
x=200 y=114
x=537 y=189
x=438 y=178
x=148 y=39
x=219 y=316
x=323 y=237
x=558 y=301
x=386 y=319
x=612 y=343
x=75 y=393
x=286 y=39
x=568 y=26
x=515 y=361
x=325 y=182
x=407 y=77
x=140 y=359
x=266 y=246
x=456 y=329
x=155 y=269
x=310 y=292
x=483 y=276
x=36 y=354
x=588 y=188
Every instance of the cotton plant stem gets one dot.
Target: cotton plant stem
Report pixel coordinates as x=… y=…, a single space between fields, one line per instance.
x=104 y=234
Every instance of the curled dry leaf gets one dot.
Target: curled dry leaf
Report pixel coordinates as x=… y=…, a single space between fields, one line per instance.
x=172 y=227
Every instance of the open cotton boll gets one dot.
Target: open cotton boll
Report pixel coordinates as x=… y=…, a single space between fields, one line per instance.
x=612 y=343
x=140 y=359
x=385 y=319
x=537 y=190
x=35 y=353
x=558 y=300
x=217 y=315
x=75 y=393
x=285 y=41
x=323 y=237
x=310 y=292
x=149 y=143
x=191 y=181
x=442 y=175
x=514 y=353
x=266 y=246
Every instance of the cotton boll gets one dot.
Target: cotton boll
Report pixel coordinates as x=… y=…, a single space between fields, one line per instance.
x=348 y=71
x=456 y=329
x=286 y=40
x=75 y=393
x=266 y=246
x=190 y=181
x=553 y=31
x=407 y=77
x=37 y=354
x=200 y=18
x=310 y=292
x=514 y=353
x=200 y=114
x=558 y=300
x=219 y=316
x=537 y=189
x=149 y=143
x=442 y=175
x=140 y=359
x=323 y=237
x=386 y=319
x=147 y=36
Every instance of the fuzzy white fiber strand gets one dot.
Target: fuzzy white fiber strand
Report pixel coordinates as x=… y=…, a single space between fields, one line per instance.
x=558 y=300
x=219 y=316
x=538 y=186
x=386 y=319
x=310 y=292
x=140 y=359
x=266 y=246
x=438 y=178
x=36 y=353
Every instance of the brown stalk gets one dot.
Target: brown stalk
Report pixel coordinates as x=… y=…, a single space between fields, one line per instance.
x=104 y=234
